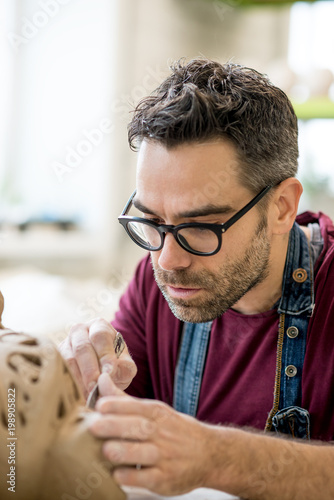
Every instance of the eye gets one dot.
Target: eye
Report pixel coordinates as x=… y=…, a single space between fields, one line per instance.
x=153 y=219
x=206 y=221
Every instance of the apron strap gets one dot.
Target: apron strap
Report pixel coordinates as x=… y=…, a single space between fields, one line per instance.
x=190 y=366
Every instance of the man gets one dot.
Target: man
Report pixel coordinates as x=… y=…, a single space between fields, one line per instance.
x=228 y=328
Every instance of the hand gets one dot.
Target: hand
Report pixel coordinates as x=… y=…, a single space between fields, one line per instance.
x=89 y=350
x=173 y=449
x=1 y=308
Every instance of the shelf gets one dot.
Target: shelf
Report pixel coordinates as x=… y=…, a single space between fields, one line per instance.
x=46 y=244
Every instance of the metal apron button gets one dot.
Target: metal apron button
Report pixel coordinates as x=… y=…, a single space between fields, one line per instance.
x=292 y=332
x=299 y=275
x=290 y=371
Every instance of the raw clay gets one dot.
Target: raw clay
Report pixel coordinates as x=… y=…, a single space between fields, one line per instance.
x=46 y=450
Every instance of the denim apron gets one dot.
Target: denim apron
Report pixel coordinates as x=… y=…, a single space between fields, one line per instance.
x=295 y=308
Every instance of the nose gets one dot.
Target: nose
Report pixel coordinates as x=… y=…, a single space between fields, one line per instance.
x=172 y=255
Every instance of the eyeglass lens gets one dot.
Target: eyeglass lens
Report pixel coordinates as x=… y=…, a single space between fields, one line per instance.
x=198 y=239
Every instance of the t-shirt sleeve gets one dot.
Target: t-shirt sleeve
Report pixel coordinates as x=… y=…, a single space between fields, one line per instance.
x=130 y=320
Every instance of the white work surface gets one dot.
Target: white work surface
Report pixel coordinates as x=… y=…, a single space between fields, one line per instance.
x=199 y=494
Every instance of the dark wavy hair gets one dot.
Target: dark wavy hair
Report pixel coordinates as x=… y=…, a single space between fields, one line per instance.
x=203 y=100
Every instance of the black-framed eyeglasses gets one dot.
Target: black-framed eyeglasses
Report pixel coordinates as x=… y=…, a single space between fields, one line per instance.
x=197 y=238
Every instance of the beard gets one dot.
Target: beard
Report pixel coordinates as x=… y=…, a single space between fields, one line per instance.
x=224 y=287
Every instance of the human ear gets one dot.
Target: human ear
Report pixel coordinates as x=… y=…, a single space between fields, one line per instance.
x=285 y=204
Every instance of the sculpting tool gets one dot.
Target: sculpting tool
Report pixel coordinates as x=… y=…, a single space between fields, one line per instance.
x=93 y=396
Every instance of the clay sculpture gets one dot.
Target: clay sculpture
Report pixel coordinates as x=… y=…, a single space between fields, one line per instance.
x=46 y=450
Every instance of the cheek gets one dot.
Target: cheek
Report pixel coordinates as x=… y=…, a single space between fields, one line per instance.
x=155 y=258
x=237 y=239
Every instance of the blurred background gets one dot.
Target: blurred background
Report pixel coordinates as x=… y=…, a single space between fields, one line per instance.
x=71 y=71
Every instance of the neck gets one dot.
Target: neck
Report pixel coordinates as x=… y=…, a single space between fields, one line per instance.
x=262 y=297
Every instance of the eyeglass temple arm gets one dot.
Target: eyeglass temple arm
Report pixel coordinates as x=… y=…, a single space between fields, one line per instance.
x=232 y=220
x=128 y=205
x=244 y=210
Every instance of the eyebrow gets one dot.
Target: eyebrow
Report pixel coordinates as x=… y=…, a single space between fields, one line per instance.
x=209 y=209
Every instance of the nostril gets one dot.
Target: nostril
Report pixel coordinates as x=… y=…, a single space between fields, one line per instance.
x=173 y=255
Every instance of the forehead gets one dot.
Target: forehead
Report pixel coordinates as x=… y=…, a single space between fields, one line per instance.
x=188 y=175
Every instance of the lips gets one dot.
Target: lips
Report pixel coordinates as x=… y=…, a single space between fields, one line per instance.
x=181 y=292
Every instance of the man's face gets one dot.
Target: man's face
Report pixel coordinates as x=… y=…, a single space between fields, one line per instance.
x=199 y=183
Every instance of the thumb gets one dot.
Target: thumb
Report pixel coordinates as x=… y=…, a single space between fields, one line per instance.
x=107 y=386
x=1 y=308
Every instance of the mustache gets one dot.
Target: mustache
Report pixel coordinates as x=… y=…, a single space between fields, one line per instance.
x=182 y=278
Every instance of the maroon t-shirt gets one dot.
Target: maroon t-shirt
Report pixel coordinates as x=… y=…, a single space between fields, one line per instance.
x=238 y=379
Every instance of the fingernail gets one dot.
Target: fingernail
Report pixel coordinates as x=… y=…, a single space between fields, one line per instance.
x=91 y=386
x=108 y=368
x=119 y=475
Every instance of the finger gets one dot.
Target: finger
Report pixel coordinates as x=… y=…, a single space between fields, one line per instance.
x=85 y=355
x=107 y=387
x=127 y=428
x=1 y=307
x=123 y=369
x=123 y=372
x=127 y=453
x=65 y=350
x=143 y=478
x=128 y=405
x=102 y=335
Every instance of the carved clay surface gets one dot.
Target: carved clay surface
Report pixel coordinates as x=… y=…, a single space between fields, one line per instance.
x=46 y=451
